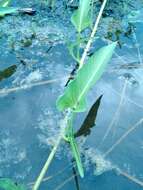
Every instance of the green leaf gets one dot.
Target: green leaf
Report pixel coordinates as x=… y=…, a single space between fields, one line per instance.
x=4 y=3
x=76 y=155
x=86 y=77
x=7 y=10
x=73 y=46
x=8 y=184
x=81 y=18
x=74 y=147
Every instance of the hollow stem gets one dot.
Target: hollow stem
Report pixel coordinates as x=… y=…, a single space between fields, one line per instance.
x=86 y=50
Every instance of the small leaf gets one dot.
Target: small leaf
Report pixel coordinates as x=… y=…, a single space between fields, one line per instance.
x=86 y=77
x=81 y=17
x=7 y=10
x=8 y=184
x=89 y=121
x=4 y=3
x=73 y=46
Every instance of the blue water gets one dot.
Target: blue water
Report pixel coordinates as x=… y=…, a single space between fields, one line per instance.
x=30 y=122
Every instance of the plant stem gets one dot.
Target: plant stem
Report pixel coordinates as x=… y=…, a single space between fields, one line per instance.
x=51 y=156
x=92 y=34
x=46 y=166
x=78 y=48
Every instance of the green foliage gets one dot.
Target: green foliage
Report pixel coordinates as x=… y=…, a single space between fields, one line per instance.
x=76 y=154
x=75 y=93
x=74 y=97
x=81 y=18
x=74 y=147
x=7 y=10
x=8 y=184
x=4 y=3
x=73 y=48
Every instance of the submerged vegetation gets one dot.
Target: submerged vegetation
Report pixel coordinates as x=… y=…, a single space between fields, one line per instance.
x=89 y=65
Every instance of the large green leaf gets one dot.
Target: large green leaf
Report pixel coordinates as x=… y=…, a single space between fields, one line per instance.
x=76 y=91
x=7 y=10
x=8 y=184
x=4 y=3
x=81 y=18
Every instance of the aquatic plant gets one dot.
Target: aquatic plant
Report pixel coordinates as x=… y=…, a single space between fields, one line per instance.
x=88 y=71
x=73 y=99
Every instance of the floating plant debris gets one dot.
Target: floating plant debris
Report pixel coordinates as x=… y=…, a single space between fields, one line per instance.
x=8 y=72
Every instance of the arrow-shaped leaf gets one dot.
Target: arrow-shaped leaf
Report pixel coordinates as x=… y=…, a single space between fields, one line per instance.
x=76 y=91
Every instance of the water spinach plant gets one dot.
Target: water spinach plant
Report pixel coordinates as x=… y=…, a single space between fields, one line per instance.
x=73 y=99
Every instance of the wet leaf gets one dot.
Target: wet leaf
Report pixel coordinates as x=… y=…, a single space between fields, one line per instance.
x=90 y=119
x=7 y=72
x=8 y=184
x=76 y=91
x=81 y=17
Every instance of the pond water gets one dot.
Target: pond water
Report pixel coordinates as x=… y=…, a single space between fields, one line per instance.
x=34 y=67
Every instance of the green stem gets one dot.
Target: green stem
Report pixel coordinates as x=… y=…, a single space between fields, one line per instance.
x=78 y=46
x=46 y=166
x=92 y=34
x=50 y=157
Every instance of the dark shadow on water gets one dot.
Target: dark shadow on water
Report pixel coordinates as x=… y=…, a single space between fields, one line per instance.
x=90 y=119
